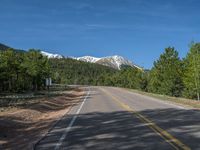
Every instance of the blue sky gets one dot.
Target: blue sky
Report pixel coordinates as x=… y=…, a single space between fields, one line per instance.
x=136 y=29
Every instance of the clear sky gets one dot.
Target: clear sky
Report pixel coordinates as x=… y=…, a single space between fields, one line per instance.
x=136 y=29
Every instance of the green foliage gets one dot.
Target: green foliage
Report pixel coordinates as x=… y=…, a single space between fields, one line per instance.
x=22 y=71
x=192 y=71
x=166 y=75
x=129 y=78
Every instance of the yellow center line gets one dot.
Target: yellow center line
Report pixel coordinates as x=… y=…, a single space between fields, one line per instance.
x=174 y=142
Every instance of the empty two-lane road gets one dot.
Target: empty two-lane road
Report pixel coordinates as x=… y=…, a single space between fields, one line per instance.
x=114 y=118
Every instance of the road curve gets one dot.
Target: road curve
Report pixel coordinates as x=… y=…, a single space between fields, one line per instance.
x=115 y=118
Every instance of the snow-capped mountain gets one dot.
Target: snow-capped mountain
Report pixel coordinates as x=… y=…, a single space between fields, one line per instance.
x=50 y=55
x=111 y=61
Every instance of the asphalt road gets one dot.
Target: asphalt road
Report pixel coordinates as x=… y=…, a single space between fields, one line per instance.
x=114 y=118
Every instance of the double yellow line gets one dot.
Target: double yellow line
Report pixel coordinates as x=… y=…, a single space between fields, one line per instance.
x=174 y=142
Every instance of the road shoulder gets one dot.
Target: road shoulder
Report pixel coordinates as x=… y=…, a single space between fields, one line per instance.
x=178 y=102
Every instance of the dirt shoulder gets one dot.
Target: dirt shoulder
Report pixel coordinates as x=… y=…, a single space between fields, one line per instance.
x=22 y=126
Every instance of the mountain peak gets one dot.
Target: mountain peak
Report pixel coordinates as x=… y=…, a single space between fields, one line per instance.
x=114 y=61
x=50 y=55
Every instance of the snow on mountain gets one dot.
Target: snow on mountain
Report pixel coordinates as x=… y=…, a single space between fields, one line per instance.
x=115 y=61
x=111 y=61
x=50 y=55
x=88 y=59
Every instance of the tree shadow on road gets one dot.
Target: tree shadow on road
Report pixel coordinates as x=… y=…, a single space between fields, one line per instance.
x=122 y=130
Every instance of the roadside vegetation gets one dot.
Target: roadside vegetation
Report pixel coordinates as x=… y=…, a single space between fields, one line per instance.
x=177 y=77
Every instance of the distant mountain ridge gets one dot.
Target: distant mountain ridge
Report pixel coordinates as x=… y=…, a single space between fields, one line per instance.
x=111 y=61
x=116 y=61
x=4 y=47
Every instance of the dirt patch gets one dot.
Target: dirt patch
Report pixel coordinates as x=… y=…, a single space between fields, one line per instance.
x=21 y=127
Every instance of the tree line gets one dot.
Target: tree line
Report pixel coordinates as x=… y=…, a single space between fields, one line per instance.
x=173 y=76
x=170 y=75
x=22 y=71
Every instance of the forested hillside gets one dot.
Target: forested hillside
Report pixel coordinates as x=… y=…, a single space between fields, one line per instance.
x=3 y=47
x=70 y=71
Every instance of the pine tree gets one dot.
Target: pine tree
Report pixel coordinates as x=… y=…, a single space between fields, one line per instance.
x=165 y=76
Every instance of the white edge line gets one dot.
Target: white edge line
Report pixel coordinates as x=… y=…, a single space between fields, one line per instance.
x=70 y=124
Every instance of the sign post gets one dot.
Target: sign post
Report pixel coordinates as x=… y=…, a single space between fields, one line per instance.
x=48 y=83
